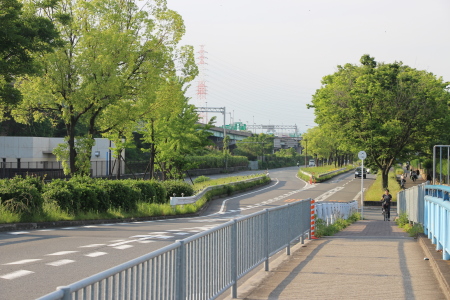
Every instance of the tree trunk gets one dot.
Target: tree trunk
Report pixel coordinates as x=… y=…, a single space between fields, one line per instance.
x=385 y=177
x=72 y=151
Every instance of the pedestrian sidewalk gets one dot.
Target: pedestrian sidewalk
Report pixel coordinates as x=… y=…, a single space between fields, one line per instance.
x=370 y=259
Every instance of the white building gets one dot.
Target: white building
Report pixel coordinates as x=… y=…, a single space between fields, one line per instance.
x=18 y=152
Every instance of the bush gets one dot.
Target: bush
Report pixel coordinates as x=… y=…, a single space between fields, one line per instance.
x=177 y=187
x=121 y=195
x=201 y=179
x=21 y=195
x=62 y=193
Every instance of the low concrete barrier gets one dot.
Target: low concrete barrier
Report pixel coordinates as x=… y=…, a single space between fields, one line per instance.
x=192 y=199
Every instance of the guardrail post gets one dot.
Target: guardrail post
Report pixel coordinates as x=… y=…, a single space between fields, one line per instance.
x=66 y=291
x=266 y=242
x=233 y=259
x=289 y=229
x=181 y=275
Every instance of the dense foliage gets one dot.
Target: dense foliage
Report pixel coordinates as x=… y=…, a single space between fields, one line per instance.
x=84 y=194
x=383 y=109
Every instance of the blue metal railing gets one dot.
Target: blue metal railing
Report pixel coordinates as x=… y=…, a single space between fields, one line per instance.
x=437 y=217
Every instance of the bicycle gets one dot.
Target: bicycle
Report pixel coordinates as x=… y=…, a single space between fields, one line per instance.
x=385 y=214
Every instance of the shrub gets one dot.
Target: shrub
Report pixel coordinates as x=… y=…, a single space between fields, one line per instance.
x=201 y=179
x=21 y=195
x=121 y=194
x=63 y=194
x=177 y=187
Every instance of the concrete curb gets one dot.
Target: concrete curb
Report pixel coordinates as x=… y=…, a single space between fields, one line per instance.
x=437 y=264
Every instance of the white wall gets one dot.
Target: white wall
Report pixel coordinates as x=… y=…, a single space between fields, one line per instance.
x=38 y=151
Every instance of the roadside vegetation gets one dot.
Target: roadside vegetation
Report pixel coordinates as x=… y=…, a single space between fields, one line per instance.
x=376 y=190
x=82 y=198
x=319 y=172
x=322 y=229
x=412 y=229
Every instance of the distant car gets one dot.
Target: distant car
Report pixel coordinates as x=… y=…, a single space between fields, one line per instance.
x=312 y=163
x=358 y=172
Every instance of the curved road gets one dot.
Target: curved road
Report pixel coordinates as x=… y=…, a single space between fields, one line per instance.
x=33 y=263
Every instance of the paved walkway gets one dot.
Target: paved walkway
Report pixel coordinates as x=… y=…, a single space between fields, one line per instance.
x=371 y=259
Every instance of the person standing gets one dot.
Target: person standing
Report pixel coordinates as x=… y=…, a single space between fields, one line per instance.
x=386 y=204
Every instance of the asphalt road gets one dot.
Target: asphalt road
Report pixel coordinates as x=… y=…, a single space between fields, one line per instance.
x=33 y=263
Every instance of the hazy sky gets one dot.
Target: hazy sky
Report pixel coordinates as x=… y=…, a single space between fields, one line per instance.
x=266 y=58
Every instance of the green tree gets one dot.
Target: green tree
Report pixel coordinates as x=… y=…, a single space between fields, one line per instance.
x=22 y=34
x=383 y=109
x=115 y=57
x=173 y=131
x=254 y=146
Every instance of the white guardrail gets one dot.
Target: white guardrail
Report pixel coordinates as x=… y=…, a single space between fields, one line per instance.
x=321 y=174
x=192 y=199
x=330 y=211
x=202 y=266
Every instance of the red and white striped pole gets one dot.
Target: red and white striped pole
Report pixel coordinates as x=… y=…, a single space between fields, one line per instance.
x=313 y=219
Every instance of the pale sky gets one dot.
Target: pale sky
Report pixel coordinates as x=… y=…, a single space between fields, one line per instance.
x=267 y=58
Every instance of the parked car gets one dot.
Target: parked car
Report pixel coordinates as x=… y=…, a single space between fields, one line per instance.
x=358 y=172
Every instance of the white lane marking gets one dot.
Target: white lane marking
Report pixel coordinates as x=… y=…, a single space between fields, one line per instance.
x=91 y=246
x=358 y=196
x=61 y=262
x=95 y=254
x=151 y=236
x=116 y=241
x=69 y=228
x=90 y=226
x=123 y=247
x=63 y=252
x=144 y=241
x=124 y=224
x=181 y=233
x=137 y=222
x=174 y=230
x=21 y=262
x=16 y=274
x=46 y=230
x=329 y=193
x=122 y=243
x=106 y=224
x=18 y=232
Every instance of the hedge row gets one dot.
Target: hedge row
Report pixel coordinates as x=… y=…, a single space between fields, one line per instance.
x=83 y=194
x=209 y=161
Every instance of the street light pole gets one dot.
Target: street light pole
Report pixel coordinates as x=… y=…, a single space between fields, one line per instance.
x=306 y=152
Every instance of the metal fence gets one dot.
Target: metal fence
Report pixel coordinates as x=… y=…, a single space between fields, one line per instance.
x=410 y=201
x=202 y=266
x=437 y=217
x=331 y=211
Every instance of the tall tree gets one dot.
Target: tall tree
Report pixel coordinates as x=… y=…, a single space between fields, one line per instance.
x=384 y=109
x=173 y=131
x=115 y=56
x=22 y=34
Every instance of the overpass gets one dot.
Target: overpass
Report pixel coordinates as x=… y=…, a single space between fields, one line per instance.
x=217 y=135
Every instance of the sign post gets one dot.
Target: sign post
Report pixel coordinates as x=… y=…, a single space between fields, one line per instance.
x=362 y=156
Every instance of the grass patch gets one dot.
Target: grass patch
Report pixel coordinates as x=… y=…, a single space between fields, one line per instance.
x=412 y=229
x=51 y=211
x=199 y=186
x=321 y=170
x=323 y=230
x=374 y=192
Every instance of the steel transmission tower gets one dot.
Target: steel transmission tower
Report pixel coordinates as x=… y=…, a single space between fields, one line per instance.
x=201 y=84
